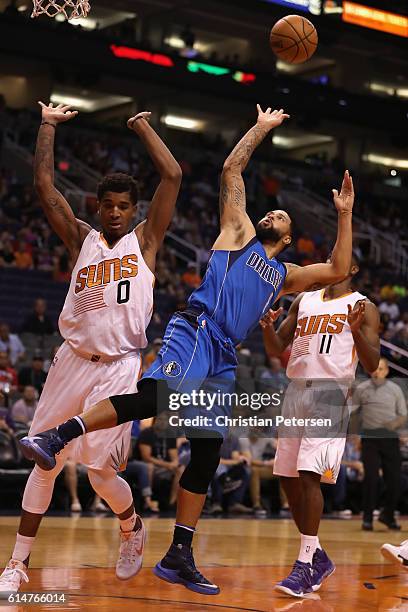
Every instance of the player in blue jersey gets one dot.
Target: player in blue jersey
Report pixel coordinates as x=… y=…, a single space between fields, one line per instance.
x=242 y=281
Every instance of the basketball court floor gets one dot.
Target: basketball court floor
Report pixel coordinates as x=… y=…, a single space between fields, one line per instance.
x=76 y=555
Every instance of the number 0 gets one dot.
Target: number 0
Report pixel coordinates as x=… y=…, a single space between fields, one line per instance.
x=123 y=292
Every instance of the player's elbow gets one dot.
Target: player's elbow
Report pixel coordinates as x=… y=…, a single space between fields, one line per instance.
x=174 y=173
x=229 y=167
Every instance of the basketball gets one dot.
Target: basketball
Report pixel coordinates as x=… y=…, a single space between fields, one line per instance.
x=294 y=39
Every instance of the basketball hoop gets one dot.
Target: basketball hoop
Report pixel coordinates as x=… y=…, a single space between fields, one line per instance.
x=71 y=9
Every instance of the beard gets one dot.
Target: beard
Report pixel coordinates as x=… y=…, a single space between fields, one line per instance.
x=267 y=234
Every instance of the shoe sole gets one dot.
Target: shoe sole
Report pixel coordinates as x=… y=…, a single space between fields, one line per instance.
x=173 y=577
x=287 y=591
x=129 y=576
x=390 y=556
x=32 y=452
x=317 y=586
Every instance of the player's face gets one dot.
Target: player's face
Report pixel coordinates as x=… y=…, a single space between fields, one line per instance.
x=116 y=211
x=274 y=226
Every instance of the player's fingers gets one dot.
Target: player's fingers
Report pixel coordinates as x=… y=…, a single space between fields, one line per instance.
x=277 y=313
x=259 y=109
x=50 y=105
x=268 y=110
x=335 y=193
x=349 y=309
x=42 y=104
x=65 y=108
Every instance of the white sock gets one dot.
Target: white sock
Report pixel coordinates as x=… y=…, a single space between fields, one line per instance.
x=308 y=545
x=129 y=523
x=318 y=545
x=22 y=547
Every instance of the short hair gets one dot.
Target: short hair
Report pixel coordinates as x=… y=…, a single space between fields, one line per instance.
x=119 y=183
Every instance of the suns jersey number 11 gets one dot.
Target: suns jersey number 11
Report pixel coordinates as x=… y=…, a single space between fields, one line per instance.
x=323 y=345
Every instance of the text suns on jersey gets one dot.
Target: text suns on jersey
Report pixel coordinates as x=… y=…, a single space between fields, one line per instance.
x=106 y=271
x=320 y=324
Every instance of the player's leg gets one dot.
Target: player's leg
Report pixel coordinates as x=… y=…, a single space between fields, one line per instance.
x=178 y=564
x=40 y=484
x=219 y=361
x=118 y=495
x=37 y=497
x=294 y=494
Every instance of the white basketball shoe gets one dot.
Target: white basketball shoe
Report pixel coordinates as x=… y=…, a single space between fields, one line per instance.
x=131 y=549
x=396 y=554
x=12 y=578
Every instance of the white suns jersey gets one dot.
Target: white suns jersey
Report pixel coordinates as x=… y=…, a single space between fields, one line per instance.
x=110 y=299
x=323 y=345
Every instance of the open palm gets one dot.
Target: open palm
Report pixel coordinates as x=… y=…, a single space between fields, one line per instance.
x=57 y=114
x=271 y=118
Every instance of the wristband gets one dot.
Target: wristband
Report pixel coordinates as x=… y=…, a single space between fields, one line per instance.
x=48 y=123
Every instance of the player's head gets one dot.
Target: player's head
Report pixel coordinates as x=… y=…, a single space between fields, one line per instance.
x=276 y=227
x=117 y=199
x=354 y=265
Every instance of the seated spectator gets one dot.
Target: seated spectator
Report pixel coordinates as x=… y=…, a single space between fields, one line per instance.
x=7 y=257
x=8 y=375
x=305 y=246
x=260 y=453
x=231 y=479
x=11 y=344
x=151 y=355
x=154 y=447
x=390 y=307
x=274 y=377
x=33 y=375
x=191 y=278
x=23 y=409
x=24 y=259
x=38 y=322
x=141 y=473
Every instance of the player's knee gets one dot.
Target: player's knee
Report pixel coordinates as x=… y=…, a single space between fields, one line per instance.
x=205 y=458
x=141 y=405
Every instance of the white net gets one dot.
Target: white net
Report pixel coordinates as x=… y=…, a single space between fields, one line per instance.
x=71 y=9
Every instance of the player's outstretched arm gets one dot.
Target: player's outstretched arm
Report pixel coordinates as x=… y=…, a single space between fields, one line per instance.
x=57 y=210
x=364 y=321
x=324 y=274
x=277 y=341
x=151 y=234
x=233 y=216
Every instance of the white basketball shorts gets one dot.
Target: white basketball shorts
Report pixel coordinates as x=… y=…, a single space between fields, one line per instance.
x=73 y=385
x=316 y=444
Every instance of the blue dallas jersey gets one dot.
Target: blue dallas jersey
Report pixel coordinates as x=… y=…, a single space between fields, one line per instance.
x=238 y=288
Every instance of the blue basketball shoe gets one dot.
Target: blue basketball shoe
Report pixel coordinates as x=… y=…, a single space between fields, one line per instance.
x=299 y=582
x=178 y=567
x=323 y=567
x=42 y=448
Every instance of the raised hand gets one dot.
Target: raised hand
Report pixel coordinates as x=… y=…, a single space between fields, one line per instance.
x=345 y=199
x=271 y=118
x=57 y=114
x=143 y=115
x=270 y=317
x=355 y=316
